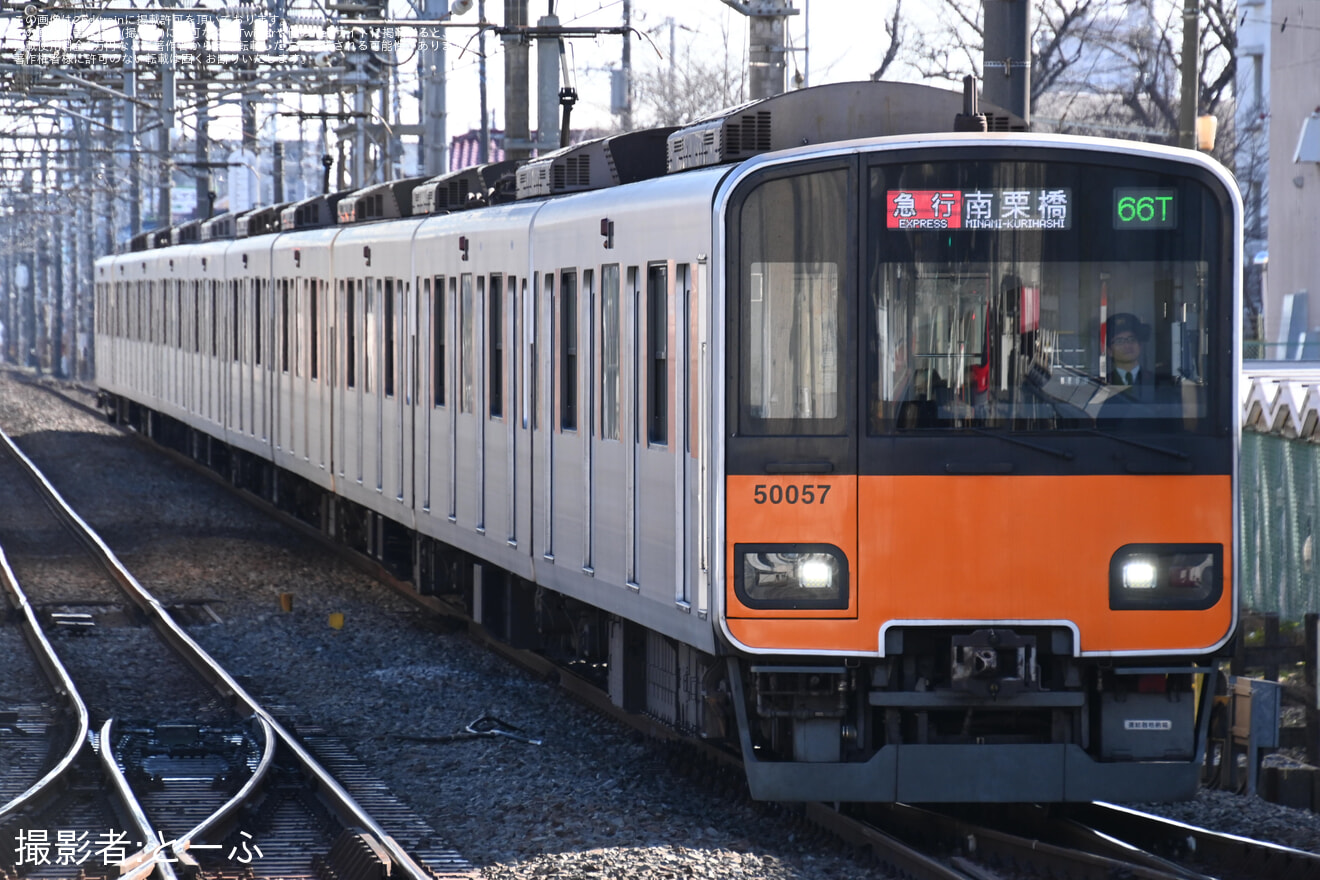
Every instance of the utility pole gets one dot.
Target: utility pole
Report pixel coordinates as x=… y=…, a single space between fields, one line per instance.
x=202 y=181
x=517 y=131
x=483 y=146
x=56 y=239
x=277 y=171
x=548 y=50
x=625 y=117
x=130 y=136
x=1006 y=77
x=766 y=57
x=1191 y=75
x=165 y=179
x=435 y=140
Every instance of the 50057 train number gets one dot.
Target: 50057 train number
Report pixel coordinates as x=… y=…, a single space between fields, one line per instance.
x=790 y=494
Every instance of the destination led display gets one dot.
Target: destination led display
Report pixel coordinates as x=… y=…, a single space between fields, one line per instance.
x=978 y=209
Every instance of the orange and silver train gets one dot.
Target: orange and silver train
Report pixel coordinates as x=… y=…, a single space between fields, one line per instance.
x=899 y=459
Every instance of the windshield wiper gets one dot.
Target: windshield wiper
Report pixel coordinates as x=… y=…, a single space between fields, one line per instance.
x=1049 y=450
x=1151 y=447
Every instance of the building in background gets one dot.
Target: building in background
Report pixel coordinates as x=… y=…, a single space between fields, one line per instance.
x=1292 y=282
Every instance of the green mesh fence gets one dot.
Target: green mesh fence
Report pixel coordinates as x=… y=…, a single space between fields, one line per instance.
x=1280 y=482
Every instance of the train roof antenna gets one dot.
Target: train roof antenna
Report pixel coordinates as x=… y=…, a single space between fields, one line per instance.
x=970 y=119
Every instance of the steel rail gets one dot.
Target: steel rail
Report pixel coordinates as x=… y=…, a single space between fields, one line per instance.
x=327 y=788
x=987 y=844
x=145 y=861
x=184 y=843
x=1242 y=856
x=59 y=680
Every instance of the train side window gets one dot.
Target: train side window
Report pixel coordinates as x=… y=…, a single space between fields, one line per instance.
x=314 y=310
x=452 y=300
x=350 y=332
x=568 y=351
x=389 y=335
x=438 y=341
x=370 y=342
x=233 y=318
x=286 y=328
x=300 y=287
x=520 y=353
x=685 y=391
x=257 y=286
x=215 y=318
x=496 y=324
x=609 y=352
x=467 y=376
x=589 y=365
x=657 y=354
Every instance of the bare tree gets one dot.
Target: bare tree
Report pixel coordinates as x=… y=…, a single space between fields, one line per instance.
x=896 y=32
x=1096 y=67
x=692 y=89
x=684 y=88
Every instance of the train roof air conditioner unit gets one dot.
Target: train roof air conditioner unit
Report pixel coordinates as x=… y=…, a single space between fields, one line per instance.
x=468 y=188
x=822 y=114
x=597 y=164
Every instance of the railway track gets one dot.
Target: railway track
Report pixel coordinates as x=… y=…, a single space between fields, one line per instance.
x=921 y=843
x=160 y=763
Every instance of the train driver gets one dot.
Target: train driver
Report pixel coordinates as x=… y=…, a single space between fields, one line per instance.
x=1125 y=333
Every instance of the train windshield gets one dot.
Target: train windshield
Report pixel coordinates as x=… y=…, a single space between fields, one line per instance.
x=1033 y=296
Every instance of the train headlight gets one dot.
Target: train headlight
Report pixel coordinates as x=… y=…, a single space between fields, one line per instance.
x=792 y=576
x=1166 y=576
x=1139 y=574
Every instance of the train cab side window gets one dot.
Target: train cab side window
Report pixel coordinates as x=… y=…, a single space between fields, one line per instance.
x=657 y=354
x=568 y=351
x=389 y=335
x=793 y=237
x=438 y=341
x=609 y=352
x=496 y=332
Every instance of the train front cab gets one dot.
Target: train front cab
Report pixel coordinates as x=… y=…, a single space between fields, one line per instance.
x=961 y=562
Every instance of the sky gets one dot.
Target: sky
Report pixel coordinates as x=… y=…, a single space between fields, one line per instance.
x=844 y=40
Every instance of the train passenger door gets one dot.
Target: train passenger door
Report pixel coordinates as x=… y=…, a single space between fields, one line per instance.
x=791 y=486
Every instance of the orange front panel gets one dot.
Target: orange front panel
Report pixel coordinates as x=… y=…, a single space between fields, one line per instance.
x=933 y=548
x=792 y=510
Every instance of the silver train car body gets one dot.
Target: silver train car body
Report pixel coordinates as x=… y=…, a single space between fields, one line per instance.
x=237 y=340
